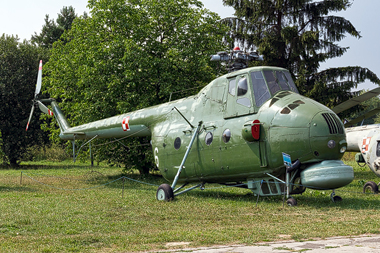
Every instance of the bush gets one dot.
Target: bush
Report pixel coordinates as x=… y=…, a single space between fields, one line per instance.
x=52 y=153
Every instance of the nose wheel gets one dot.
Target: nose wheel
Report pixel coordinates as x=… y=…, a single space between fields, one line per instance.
x=335 y=198
x=291 y=202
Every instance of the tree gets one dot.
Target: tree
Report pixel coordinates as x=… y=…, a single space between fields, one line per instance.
x=129 y=55
x=18 y=73
x=299 y=35
x=52 y=31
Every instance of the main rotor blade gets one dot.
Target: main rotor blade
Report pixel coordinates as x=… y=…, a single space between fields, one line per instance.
x=39 y=79
x=30 y=117
x=44 y=109
x=362 y=117
x=355 y=101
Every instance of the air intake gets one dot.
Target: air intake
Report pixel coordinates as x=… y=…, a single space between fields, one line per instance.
x=334 y=123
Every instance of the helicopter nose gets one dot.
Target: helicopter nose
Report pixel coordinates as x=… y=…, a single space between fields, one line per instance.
x=327 y=137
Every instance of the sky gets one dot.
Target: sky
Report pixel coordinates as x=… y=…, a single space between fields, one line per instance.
x=24 y=17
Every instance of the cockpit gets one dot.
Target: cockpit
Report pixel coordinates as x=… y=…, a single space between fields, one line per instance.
x=266 y=83
x=248 y=90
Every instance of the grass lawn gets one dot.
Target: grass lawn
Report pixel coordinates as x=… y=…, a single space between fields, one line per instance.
x=59 y=207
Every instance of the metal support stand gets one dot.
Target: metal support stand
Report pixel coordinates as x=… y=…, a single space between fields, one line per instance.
x=258 y=195
x=74 y=148
x=179 y=188
x=287 y=183
x=91 y=157
x=189 y=189
x=75 y=156
x=186 y=154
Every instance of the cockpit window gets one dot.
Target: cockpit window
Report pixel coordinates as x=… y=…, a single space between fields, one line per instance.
x=275 y=79
x=242 y=87
x=260 y=89
x=291 y=84
x=271 y=81
x=282 y=80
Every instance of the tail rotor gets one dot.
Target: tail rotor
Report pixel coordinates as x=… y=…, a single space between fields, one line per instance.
x=36 y=93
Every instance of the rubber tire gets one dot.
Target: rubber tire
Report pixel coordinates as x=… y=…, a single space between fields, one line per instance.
x=165 y=192
x=291 y=202
x=372 y=186
x=336 y=198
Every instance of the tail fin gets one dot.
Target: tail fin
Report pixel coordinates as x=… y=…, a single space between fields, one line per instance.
x=58 y=114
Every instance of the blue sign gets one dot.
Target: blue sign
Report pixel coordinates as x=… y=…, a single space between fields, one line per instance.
x=287 y=160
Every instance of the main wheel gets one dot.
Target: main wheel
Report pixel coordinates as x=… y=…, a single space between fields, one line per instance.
x=291 y=202
x=165 y=192
x=370 y=186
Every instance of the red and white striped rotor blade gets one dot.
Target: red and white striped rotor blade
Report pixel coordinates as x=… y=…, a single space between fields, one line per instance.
x=44 y=109
x=30 y=117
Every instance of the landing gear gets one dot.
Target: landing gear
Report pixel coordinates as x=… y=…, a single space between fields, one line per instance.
x=335 y=198
x=291 y=202
x=165 y=192
x=370 y=187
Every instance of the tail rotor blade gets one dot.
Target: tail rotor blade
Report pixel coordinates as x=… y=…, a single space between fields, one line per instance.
x=38 y=89
x=44 y=109
x=39 y=79
x=30 y=117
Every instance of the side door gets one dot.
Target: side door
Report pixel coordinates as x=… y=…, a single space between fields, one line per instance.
x=239 y=97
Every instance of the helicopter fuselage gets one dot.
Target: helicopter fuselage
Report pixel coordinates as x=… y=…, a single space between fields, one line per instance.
x=247 y=119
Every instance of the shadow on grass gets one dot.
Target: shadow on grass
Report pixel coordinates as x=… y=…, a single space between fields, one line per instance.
x=45 y=167
x=16 y=189
x=352 y=196
x=321 y=199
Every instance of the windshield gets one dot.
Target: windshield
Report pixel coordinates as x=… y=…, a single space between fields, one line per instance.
x=268 y=82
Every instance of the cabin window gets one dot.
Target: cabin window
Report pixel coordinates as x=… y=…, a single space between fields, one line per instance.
x=232 y=87
x=177 y=143
x=226 y=135
x=208 y=138
x=260 y=89
x=378 y=149
x=242 y=87
x=244 y=101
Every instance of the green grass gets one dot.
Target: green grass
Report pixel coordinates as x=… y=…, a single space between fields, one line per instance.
x=41 y=217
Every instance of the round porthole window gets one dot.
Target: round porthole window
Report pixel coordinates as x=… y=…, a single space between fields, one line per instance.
x=226 y=135
x=208 y=138
x=177 y=143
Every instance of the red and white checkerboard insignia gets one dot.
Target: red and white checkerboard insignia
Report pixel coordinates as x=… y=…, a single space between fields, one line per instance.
x=365 y=145
x=50 y=113
x=125 y=124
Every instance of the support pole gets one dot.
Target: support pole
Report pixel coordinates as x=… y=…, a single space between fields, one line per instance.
x=258 y=195
x=186 y=154
x=74 y=148
x=91 y=158
x=287 y=183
